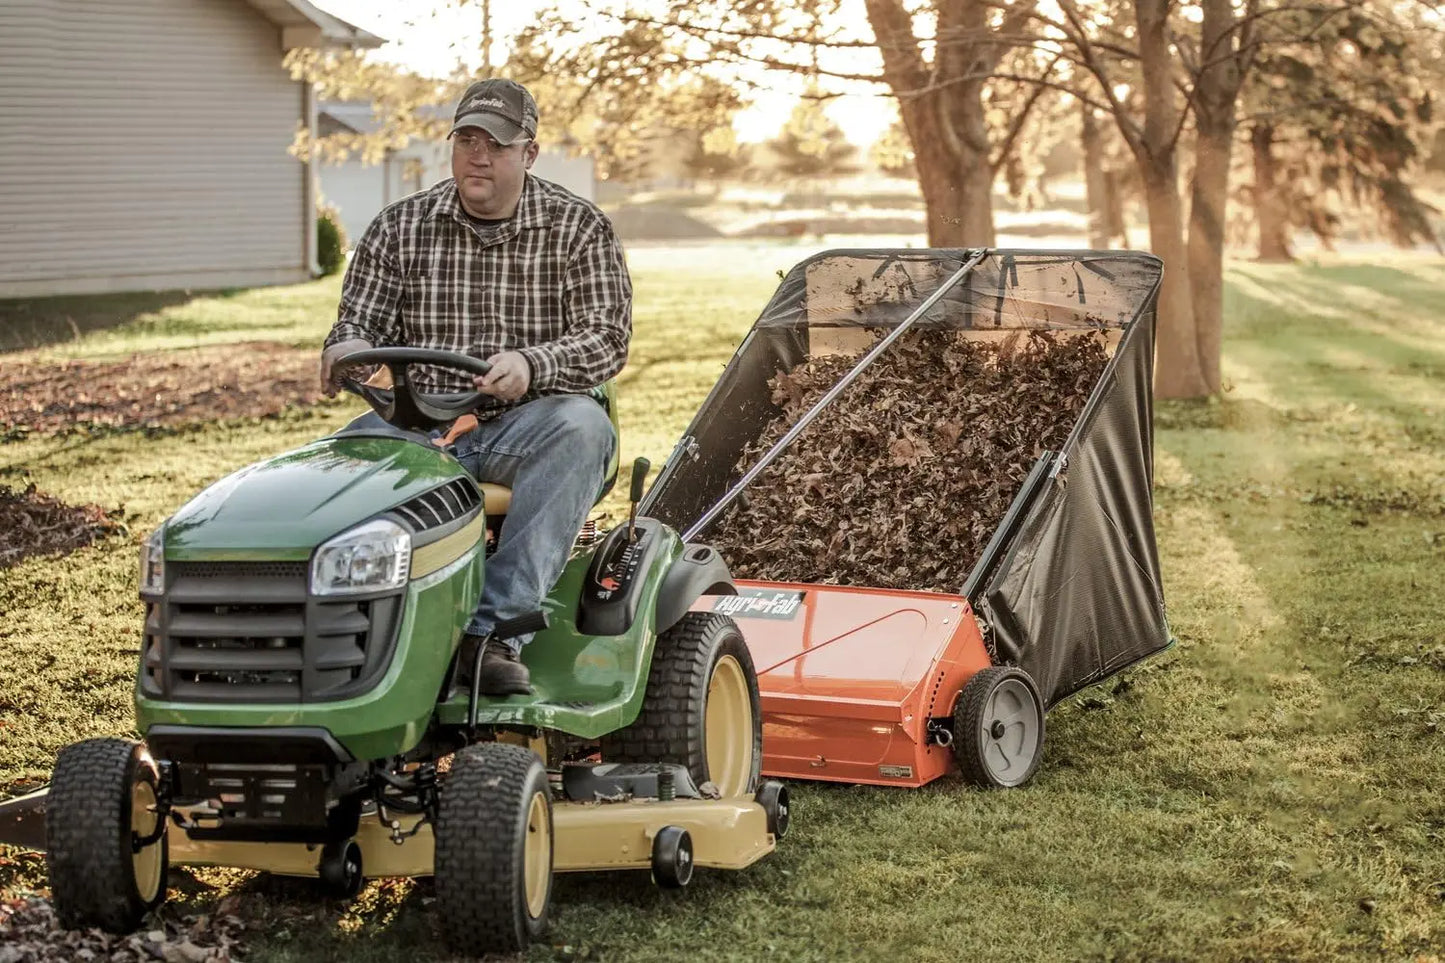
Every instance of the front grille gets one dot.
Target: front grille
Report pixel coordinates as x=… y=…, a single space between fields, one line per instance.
x=440 y=506
x=291 y=570
x=250 y=632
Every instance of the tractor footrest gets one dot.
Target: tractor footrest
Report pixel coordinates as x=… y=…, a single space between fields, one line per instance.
x=619 y=782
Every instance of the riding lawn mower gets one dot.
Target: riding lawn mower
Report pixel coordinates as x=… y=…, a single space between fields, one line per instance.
x=308 y=709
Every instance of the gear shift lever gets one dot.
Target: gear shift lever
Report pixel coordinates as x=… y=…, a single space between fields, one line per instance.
x=639 y=475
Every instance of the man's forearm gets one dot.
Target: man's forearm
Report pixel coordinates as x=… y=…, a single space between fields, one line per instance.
x=577 y=362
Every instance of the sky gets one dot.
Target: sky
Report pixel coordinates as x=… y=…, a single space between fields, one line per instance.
x=428 y=36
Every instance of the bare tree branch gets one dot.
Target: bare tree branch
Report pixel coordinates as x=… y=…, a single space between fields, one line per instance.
x=1016 y=123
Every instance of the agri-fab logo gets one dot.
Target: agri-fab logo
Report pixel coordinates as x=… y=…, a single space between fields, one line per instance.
x=752 y=603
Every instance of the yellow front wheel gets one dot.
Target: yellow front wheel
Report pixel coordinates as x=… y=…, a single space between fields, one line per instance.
x=105 y=835
x=494 y=850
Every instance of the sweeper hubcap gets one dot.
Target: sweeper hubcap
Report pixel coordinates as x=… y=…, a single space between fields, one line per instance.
x=998 y=727
x=1013 y=729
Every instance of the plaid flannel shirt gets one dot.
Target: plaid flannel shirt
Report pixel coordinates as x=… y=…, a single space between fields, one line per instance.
x=549 y=283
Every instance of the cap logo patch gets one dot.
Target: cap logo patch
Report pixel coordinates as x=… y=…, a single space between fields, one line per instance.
x=493 y=102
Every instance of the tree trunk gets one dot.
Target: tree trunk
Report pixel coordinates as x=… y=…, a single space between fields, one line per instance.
x=975 y=193
x=1270 y=211
x=957 y=184
x=1216 y=91
x=1206 y=242
x=1114 y=224
x=943 y=204
x=1096 y=181
x=1177 y=373
x=943 y=112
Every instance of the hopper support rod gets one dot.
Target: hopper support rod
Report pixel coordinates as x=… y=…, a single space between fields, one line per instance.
x=772 y=453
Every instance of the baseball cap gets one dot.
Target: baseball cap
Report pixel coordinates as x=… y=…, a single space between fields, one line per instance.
x=502 y=108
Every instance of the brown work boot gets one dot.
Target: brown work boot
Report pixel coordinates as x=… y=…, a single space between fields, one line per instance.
x=503 y=673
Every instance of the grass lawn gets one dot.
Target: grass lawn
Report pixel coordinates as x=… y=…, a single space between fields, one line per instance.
x=1269 y=789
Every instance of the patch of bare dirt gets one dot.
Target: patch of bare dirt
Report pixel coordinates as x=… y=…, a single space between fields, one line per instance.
x=35 y=524
x=165 y=388
x=902 y=480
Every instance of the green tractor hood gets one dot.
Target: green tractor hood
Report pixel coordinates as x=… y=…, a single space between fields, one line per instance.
x=284 y=507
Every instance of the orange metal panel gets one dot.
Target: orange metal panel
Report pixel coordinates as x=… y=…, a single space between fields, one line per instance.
x=849 y=677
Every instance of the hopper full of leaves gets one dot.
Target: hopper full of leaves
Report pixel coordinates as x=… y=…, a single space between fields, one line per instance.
x=901 y=481
x=32 y=523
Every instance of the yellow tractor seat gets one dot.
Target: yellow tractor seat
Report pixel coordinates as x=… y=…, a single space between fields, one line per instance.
x=496 y=499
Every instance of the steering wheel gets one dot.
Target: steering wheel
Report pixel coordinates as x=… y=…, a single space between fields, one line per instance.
x=402 y=405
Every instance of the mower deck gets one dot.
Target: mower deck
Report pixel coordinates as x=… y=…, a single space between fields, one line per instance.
x=727 y=834
x=851 y=677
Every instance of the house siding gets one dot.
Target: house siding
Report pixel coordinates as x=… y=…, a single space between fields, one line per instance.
x=143 y=146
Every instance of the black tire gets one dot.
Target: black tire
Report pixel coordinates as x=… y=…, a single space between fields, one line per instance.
x=100 y=802
x=487 y=848
x=773 y=797
x=688 y=660
x=998 y=728
x=672 y=858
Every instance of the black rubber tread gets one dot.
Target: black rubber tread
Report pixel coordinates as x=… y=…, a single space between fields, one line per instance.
x=968 y=714
x=88 y=835
x=674 y=708
x=481 y=836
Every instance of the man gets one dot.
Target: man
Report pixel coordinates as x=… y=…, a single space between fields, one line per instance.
x=498 y=264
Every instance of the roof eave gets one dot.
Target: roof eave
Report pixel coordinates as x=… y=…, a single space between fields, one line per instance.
x=305 y=25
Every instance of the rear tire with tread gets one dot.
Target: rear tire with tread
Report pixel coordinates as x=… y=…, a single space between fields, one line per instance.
x=102 y=798
x=688 y=662
x=494 y=850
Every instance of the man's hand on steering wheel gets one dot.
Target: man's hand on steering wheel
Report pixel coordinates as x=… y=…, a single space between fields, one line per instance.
x=330 y=374
x=509 y=379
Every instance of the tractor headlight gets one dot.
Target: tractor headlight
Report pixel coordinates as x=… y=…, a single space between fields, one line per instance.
x=369 y=558
x=153 y=563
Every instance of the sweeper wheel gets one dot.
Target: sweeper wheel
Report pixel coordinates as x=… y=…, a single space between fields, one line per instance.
x=494 y=850
x=105 y=835
x=701 y=709
x=998 y=728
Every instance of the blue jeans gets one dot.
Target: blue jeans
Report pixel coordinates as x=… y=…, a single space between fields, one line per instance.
x=552 y=453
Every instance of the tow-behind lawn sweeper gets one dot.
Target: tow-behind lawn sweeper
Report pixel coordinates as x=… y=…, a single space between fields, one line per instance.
x=307 y=711
x=898 y=687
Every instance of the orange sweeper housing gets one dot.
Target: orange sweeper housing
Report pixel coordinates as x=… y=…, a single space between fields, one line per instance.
x=893 y=687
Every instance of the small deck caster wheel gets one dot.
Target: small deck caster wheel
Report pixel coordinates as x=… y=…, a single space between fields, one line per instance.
x=672 y=857
x=773 y=797
x=340 y=869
